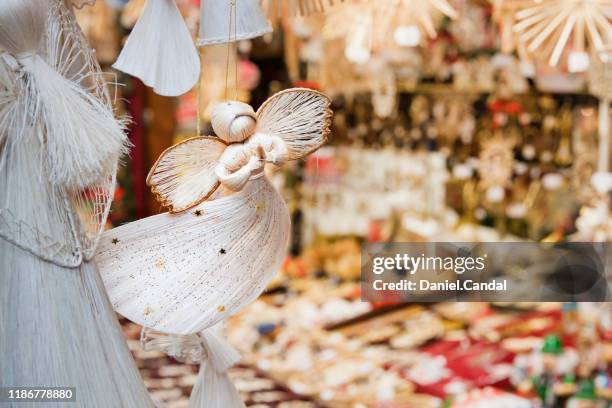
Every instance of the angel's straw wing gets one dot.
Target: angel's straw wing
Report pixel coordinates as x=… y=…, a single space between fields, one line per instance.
x=184 y=175
x=301 y=117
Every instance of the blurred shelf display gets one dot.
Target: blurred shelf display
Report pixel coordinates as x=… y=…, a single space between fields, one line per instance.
x=317 y=345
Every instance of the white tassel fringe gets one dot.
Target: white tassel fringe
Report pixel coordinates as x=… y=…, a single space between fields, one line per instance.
x=83 y=139
x=214 y=389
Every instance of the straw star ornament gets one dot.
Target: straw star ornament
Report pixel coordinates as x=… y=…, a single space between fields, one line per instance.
x=366 y=25
x=547 y=26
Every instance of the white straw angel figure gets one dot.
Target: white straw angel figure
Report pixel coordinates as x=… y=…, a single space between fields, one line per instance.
x=184 y=271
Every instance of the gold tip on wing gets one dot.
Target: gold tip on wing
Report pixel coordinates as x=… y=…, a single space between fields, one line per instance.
x=183 y=175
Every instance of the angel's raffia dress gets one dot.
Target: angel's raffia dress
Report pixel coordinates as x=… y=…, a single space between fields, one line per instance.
x=183 y=272
x=57 y=327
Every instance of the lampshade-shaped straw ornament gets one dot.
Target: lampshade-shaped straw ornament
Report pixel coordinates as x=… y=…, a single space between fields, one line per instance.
x=223 y=21
x=185 y=271
x=160 y=50
x=547 y=26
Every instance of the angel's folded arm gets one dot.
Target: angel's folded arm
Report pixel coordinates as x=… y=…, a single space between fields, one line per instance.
x=234 y=181
x=279 y=151
x=274 y=147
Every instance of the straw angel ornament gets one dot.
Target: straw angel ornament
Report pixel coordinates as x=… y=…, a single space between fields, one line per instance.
x=184 y=271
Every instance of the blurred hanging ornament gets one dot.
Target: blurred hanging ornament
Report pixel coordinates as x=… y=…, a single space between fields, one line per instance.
x=602 y=182
x=504 y=16
x=594 y=223
x=600 y=85
x=164 y=59
x=424 y=13
x=547 y=26
x=600 y=73
x=495 y=164
x=407 y=36
x=359 y=50
x=337 y=75
x=552 y=181
x=578 y=61
x=511 y=79
x=383 y=88
x=583 y=167
x=471 y=32
x=223 y=21
x=59 y=147
x=311 y=51
x=363 y=26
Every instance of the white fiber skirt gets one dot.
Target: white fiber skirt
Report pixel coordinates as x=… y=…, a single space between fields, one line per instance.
x=182 y=273
x=57 y=328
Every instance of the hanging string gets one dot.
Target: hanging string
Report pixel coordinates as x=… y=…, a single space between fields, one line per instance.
x=199 y=97
x=232 y=20
x=235 y=53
